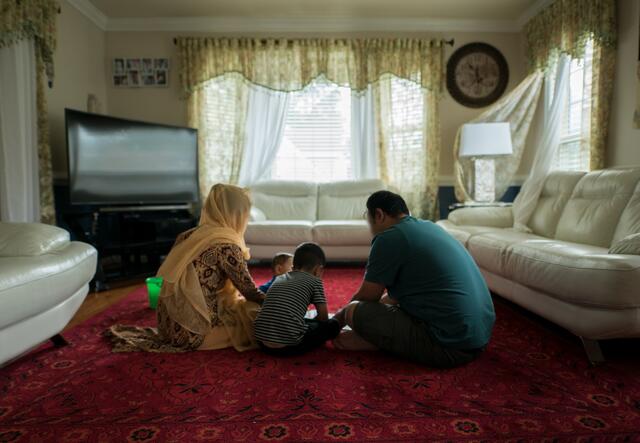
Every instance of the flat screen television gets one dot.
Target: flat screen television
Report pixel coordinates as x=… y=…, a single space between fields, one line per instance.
x=113 y=161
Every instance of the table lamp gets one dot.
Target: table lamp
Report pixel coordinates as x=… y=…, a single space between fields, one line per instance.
x=482 y=142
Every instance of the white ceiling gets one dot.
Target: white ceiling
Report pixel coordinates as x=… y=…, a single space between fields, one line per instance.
x=309 y=15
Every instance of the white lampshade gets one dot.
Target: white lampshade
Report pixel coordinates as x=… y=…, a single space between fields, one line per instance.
x=480 y=139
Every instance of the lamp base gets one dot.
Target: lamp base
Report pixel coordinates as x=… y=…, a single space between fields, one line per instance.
x=484 y=180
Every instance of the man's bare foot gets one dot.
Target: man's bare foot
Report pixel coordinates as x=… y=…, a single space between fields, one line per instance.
x=341 y=316
x=350 y=341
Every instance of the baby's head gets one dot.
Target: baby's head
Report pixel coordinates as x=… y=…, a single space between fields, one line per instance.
x=309 y=257
x=281 y=263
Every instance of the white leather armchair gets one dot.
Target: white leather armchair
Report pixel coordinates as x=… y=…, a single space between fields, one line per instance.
x=562 y=270
x=44 y=278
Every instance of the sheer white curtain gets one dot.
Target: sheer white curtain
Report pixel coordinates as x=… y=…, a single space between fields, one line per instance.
x=264 y=128
x=516 y=108
x=556 y=86
x=19 y=181
x=364 y=143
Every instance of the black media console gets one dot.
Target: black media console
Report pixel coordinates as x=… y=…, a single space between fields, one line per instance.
x=131 y=241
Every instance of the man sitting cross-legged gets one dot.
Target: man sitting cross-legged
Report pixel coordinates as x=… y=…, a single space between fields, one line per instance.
x=437 y=309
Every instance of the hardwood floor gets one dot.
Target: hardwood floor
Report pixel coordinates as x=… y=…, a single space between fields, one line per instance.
x=97 y=302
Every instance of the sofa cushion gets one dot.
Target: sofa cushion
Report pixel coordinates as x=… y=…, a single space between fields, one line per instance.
x=592 y=213
x=341 y=233
x=286 y=200
x=630 y=219
x=490 y=250
x=465 y=232
x=30 y=239
x=345 y=200
x=279 y=232
x=556 y=191
x=576 y=273
x=30 y=285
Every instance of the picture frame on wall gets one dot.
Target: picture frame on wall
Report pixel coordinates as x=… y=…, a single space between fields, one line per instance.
x=142 y=72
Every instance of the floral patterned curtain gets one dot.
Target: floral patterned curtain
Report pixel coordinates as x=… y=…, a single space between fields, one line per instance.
x=408 y=122
x=36 y=19
x=566 y=26
x=290 y=65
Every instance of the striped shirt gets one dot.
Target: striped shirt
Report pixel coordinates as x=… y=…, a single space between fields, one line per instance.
x=281 y=319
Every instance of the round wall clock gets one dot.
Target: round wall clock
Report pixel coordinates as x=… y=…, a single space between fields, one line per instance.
x=477 y=75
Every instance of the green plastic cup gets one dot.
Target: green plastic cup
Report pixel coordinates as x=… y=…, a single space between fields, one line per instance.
x=153 y=289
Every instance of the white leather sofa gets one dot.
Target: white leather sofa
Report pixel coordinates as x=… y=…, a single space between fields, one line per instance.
x=562 y=270
x=287 y=213
x=43 y=280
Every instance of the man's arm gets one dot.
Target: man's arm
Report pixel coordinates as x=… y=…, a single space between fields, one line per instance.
x=368 y=291
x=323 y=311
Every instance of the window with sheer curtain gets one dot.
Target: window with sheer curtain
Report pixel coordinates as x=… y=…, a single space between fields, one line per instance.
x=316 y=145
x=317 y=136
x=573 y=150
x=407 y=118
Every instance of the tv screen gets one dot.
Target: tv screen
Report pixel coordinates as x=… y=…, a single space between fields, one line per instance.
x=114 y=161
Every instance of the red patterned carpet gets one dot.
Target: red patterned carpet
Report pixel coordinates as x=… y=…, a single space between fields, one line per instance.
x=532 y=384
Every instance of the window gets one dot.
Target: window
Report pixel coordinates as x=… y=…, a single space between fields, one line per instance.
x=316 y=145
x=407 y=105
x=573 y=150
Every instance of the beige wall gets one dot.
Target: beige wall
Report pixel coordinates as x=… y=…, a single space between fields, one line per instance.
x=166 y=106
x=624 y=139
x=79 y=62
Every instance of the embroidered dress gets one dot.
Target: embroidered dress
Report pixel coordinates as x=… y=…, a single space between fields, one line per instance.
x=208 y=299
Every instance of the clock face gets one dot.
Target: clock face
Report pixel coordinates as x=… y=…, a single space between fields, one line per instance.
x=477 y=75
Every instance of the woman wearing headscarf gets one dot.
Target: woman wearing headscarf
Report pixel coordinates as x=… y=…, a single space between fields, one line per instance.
x=208 y=298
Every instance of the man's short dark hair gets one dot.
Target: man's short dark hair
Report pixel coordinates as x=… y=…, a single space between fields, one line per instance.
x=389 y=202
x=280 y=259
x=308 y=256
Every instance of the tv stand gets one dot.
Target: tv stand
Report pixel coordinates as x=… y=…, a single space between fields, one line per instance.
x=132 y=241
x=145 y=208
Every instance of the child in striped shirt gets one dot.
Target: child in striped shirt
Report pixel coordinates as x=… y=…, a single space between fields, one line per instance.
x=281 y=327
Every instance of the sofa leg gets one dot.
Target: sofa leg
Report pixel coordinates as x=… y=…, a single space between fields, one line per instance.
x=59 y=341
x=594 y=353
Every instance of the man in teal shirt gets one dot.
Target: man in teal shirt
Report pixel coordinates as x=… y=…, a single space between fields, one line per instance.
x=437 y=309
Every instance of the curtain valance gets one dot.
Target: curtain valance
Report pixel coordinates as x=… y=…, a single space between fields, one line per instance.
x=291 y=64
x=31 y=19
x=565 y=26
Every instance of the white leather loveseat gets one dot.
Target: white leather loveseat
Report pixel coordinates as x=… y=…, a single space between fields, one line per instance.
x=287 y=213
x=43 y=280
x=563 y=270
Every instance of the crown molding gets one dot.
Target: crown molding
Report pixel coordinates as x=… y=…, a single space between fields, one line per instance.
x=86 y=8
x=304 y=24
x=531 y=12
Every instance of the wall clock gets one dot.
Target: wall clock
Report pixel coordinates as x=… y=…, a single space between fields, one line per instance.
x=477 y=75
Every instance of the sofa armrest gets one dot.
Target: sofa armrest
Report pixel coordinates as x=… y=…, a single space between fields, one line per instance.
x=495 y=217
x=257 y=215
x=30 y=239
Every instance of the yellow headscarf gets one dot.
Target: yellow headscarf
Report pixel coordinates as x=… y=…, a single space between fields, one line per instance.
x=223 y=220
